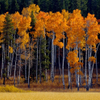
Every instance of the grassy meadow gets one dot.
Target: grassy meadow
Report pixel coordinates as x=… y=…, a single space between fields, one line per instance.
x=51 y=96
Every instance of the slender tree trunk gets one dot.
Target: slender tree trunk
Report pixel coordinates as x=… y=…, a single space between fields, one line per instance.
x=12 y=58
x=29 y=71
x=55 y=59
x=8 y=65
x=89 y=85
x=86 y=66
x=63 y=63
x=76 y=72
x=46 y=73
x=49 y=40
x=80 y=81
x=82 y=69
x=78 y=78
x=40 y=59
x=89 y=64
x=15 y=66
x=69 y=76
x=37 y=62
x=52 y=60
x=4 y=69
x=59 y=64
x=19 y=70
x=25 y=65
x=2 y=61
x=96 y=71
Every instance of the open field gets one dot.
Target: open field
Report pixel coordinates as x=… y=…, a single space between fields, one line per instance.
x=51 y=96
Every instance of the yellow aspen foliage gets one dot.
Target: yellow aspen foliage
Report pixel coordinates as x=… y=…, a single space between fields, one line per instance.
x=27 y=11
x=75 y=32
x=10 y=49
x=66 y=14
x=1 y=38
x=93 y=59
x=56 y=24
x=35 y=8
x=80 y=73
x=73 y=60
x=25 y=38
x=56 y=41
x=25 y=57
x=40 y=24
x=24 y=24
x=72 y=57
x=60 y=44
x=2 y=19
x=16 y=17
x=93 y=28
x=72 y=70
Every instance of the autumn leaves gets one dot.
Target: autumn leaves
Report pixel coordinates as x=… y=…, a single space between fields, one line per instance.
x=81 y=34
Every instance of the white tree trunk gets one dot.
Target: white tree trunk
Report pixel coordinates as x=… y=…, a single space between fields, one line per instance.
x=59 y=63
x=69 y=76
x=19 y=69
x=96 y=70
x=55 y=59
x=2 y=61
x=63 y=63
x=37 y=62
x=40 y=59
x=86 y=60
x=8 y=65
x=52 y=60
x=29 y=70
x=89 y=64
x=15 y=66
x=25 y=65
x=93 y=67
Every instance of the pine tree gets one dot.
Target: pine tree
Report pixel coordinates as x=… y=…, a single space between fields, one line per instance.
x=8 y=31
x=14 y=6
x=6 y=5
x=82 y=5
x=73 y=5
x=45 y=58
x=98 y=9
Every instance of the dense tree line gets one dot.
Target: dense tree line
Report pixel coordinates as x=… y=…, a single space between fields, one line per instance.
x=92 y=6
x=32 y=42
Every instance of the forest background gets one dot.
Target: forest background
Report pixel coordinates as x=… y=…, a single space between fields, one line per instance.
x=11 y=6
x=91 y=6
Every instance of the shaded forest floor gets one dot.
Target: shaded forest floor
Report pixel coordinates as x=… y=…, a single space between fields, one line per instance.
x=55 y=86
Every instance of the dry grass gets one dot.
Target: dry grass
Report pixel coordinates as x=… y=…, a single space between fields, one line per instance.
x=50 y=96
x=54 y=86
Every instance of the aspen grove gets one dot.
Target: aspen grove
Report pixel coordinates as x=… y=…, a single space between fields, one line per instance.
x=31 y=45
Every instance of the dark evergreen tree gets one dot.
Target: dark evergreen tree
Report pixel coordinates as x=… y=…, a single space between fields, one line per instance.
x=44 y=5
x=6 y=5
x=89 y=6
x=22 y=5
x=45 y=60
x=8 y=32
x=14 y=6
x=98 y=9
x=73 y=5
x=82 y=5
x=67 y=4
